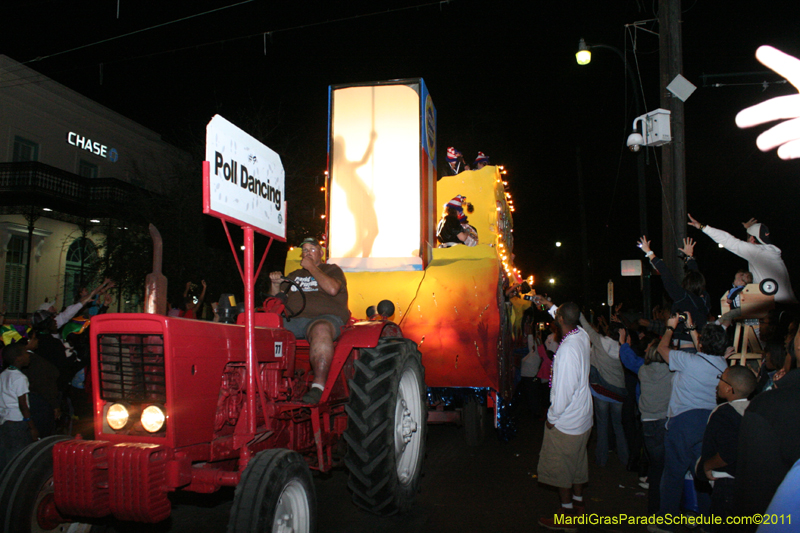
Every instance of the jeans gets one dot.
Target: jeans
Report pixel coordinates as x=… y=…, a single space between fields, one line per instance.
x=602 y=410
x=654 y=433
x=682 y=447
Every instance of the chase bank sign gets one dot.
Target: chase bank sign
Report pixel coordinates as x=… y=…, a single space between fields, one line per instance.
x=93 y=147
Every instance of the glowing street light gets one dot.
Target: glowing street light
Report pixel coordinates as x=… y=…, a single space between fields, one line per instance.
x=584 y=55
x=552 y=281
x=558 y=244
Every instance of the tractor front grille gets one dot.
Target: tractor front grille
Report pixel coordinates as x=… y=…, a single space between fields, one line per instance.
x=132 y=368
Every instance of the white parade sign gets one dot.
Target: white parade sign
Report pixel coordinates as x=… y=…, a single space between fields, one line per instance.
x=243 y=180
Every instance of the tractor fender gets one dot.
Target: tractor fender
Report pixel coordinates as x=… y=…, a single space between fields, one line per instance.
x=365 y=334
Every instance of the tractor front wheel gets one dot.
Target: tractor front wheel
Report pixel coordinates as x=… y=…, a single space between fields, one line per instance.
x=276 y=493
x=27 y=504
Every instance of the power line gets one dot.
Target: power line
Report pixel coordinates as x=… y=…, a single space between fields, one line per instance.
x=264 y=34
x=40 y=58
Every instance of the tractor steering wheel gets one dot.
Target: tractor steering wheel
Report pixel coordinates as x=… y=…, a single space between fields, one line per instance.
x=287 y=312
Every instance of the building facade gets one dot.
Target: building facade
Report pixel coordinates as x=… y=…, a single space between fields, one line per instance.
x=69 y=169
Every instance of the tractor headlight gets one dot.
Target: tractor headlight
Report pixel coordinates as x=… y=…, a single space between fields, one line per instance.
x=153 y=418
x=117 y=416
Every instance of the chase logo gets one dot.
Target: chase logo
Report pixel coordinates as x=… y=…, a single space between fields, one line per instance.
x=93 y=147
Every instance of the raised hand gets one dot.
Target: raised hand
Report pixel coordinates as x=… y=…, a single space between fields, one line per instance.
x=786 y=135
x=644 y=244
x=694 y=222
x=688 y=246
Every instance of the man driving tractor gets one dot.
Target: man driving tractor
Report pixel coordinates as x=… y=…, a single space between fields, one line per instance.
x=326 y=311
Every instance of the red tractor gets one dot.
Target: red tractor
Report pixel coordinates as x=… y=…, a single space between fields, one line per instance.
x=191 y=405
x=172 y=403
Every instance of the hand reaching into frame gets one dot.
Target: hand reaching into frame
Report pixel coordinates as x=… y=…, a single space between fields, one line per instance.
x=786 y=135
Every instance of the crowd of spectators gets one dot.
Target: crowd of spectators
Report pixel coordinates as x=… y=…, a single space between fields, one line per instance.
x=43 y=382
x=734 y=429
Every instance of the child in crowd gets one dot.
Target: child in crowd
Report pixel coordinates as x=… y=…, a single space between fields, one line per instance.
x=733 y=296
x=17 y=429
x=718 y=459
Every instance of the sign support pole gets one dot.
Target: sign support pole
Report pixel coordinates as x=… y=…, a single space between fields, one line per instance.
x=249 y=328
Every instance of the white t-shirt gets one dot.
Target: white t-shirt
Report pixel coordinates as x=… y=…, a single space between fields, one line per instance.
x=571 y=409
x=13 y=384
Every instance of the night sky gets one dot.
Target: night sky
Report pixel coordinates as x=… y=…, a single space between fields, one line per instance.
x=503 y=77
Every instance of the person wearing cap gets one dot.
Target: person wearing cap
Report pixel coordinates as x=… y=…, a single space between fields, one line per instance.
x=764 y=258
x=325 y=313
x=455 y=162
x=450 y=230
x=481 y=161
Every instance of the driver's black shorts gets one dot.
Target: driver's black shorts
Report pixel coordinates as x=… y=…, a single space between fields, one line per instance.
x=299 y=325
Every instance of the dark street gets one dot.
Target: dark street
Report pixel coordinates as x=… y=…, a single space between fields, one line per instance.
x=491 y=487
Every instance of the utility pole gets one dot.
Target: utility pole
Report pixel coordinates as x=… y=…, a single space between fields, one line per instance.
x=673 y=154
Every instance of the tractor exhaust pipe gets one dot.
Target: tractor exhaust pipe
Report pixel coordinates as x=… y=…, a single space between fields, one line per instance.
x=155 y=290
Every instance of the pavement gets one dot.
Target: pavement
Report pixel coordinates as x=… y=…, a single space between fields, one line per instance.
x=492 y=487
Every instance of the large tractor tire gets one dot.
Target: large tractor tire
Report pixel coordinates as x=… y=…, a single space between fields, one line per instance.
x=276 y=493
x=474 y=416
x=26 y=491
x=387 y=426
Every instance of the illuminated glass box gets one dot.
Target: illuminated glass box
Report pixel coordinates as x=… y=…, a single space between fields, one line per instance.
x=381 y=157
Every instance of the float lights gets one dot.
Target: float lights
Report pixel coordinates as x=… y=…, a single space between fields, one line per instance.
x=583 y=55
x=322 y=217
x=322 y=189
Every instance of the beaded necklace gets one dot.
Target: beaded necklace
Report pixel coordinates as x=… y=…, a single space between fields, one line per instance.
x=573 y=332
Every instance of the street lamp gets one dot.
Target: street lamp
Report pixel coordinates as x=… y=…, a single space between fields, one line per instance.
x=583 y=57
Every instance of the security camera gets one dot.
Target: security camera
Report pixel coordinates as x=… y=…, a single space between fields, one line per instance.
x=635 y=141
x=650 y=129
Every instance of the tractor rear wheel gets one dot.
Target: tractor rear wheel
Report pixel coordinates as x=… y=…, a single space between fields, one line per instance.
x=387 y=426
x=276 y=493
